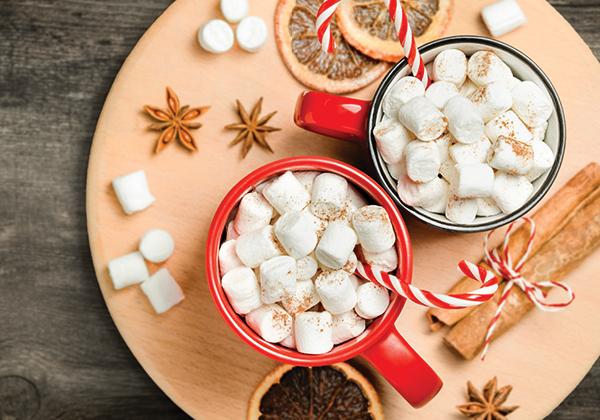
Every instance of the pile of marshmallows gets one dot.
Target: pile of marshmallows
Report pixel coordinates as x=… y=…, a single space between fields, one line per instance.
x=470 y=145
x=216 y=36
x=289 y=259
x=156 y=246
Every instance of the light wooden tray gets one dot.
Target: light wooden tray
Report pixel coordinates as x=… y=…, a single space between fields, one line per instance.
x=190 y=352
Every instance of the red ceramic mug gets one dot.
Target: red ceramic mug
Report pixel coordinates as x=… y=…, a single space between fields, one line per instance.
x=380 y=344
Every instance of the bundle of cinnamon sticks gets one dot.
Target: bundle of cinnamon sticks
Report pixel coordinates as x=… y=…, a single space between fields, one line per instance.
x=567 y=230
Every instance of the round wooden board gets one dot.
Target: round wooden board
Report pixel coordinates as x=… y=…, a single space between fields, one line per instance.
x=189 y=351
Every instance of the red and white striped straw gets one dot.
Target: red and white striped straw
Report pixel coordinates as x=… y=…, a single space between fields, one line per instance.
x=403 y=30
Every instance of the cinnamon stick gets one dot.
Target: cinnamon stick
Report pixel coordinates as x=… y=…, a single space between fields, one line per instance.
x=555 y=259
x=550 y=218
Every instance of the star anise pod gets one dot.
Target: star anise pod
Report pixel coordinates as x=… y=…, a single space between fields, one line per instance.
x=175 y=122
x=487 y=404
x=252 y=128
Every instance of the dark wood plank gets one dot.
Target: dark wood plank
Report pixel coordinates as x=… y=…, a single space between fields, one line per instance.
x=60 y=354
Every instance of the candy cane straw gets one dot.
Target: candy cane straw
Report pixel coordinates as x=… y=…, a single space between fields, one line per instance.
x=398 y=16
x=437 y=300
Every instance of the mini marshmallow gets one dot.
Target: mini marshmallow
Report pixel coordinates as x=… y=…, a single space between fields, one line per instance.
x=511 y=156
x=157 y=245
x=443 y=144
x=251 y=33
x=132 y=192
x=329 y=196
x=306 y=268
x=289 y=341
x=347 y=326
x=306 y=178
x=318 y=225
x=422 y=118
x=355 y=198
x=511 y=191
x=485 y=67
x=242 y=290
x=355 y=281
x=422 y=161
x=228 y=259
x=539 y=133
x=216 y=36
x=531 y=104
x=503 y=16
x=438 y=205
x=461 y=210
x=313 y=332
x=234 y=10
x=254 y=212
x=391 y=137
x=127 y=270
x=372 y=300
x=487 y=207
x=507 y=124
x=351 y=264
x=231 y=233
x=261 y=187
x=401 y=92
x=336 y=245
x=473 y=180
x=471 y=153
x=374 y=228
x=336 y=291
x=301 y=299
x=277 y=278
x=451 y=66
x=271 y=322
x=256 y=247
x=295 y=232
x=438 y=93
x=162 y=291
x=425 y=194
x=384 y=261
x=286 y=193
x=464 y=120
x=543 y=158
x=448 y=170
x=397 y=170
x=468 y=88
x=513 y=82
x=492 y=100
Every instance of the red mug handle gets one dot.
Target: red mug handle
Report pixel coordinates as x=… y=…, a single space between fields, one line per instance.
x=334 y=116
x=404 y=369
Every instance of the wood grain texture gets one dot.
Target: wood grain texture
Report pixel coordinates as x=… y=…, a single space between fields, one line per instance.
x=60 y=355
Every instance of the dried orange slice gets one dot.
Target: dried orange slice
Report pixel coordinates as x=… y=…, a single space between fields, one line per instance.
x=366 y=25
x=342 y=71
x=330 y=392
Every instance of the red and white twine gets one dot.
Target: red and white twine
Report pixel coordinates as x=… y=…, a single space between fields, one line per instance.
x=401 y=24
x=501 y=263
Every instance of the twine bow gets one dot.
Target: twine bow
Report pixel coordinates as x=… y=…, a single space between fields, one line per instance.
x=502 y=263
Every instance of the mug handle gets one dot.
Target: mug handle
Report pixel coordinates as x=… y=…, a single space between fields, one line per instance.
x=334 y=116
x=404 y=369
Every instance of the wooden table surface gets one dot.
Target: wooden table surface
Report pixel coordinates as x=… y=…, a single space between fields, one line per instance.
x=60 y=354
